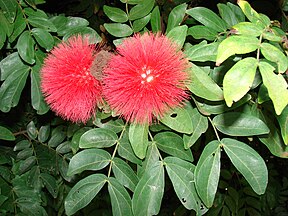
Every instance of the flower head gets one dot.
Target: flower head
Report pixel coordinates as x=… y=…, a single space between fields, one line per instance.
x=67 y=84
x=146 y=79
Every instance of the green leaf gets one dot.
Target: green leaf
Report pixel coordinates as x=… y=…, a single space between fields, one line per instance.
x=173 y=144
x=208 y=18
x=83 y=192
x=239 y=124
x=248 y=162
x=273 y=54
x=50 y=183
x=120 y=199
x=139 y=24
x=31 y=3
x=236 y=45
x=239 y=79
x=179 y=119
x=56 y=138
x=6 y=134
x=12 y=87
x=247 y=28
x=149 y=191
x=152 y=157
x=202 y=85
x=42 y=23
x=43 y=38
x=65 y=24
x=10 y=64
x=283 y=122
x=32 y=130
x=76 y=138
x=9 y=8
x=230 y=13
x=124 y=173
x=176 y=16
x=7 y=27
x=118 y=29
x=181 y=174
x=207 y=172
x=178 y=35
x=138 y=136
x=19 y=26
x=98 y=138
x=155 y=20
x=276 y=86
x=64 y=147
x=23 y=144
x=25 y=153
x=141 y=10
x=37 y=99
x=115 y=14
x=125 y=150
x=202 y=52
x=27 y=164
x=88 y=159
x=85 y=31
x=202 y=32
x=25 y=47
x=200 y=124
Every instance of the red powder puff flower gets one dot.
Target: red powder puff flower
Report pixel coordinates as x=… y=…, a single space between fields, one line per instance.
x=146 y=79
x=67 y=84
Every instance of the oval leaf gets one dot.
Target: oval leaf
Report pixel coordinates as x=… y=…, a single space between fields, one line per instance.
x=149 y=191
x=176 y=17
x=236 y=45
x=239 y=79
x=98 y=138
x=43 y=38
x=156 y=20
x=83 y=192
x=138 y=136
x=88 y=159
x=115 y=14
x=118 y=29
x=6 y=134
x=178 y=35
x=173 y=144
x=207 y=172
x=141 y=10
x=248 y=162
x=25 y=47
x=202 y=52
x=239 y=124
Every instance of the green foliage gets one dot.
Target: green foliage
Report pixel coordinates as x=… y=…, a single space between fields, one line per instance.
x=212 y=147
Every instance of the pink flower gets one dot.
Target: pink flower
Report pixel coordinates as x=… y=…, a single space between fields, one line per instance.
x=146 y=79
x=67 y=84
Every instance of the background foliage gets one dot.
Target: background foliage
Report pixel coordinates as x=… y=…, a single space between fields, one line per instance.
x=222 y=154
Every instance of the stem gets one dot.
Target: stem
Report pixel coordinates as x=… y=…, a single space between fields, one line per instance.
x=258 y=50
x=214 y=128
x=127 y=11
x=153 y=143
x=115 y=149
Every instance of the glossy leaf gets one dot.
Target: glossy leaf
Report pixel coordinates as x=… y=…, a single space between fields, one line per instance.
x=115 y=14
x=65 y=24
x=283 y=122
x=155 y=20
x=118 y=29
x=83 y=192
x=138 y=137
x=19 y=26
x=239 y=79
x=43 y=38
x=12 y=87
x=273 y=54
x=239 y=124
x=124 y=173
x=202 y=85
x=98 y=138
x=27 y=164
x=276 y=86
x=200 y=124
x=149 y=191
x=76 y=138
x=141 y=10
x=248 y=162
x=139 y=24
x=176 y=16
x=181 y=174
x=42 y=23
x=202 y=52
x=120 y=199
x=64 y=147
x=178 y=35
x=6 y=134
x=208 y=18
x=179 y=119
x=207 y=172
x=236 y=45
x=231 y=13
x=50 y=183
x=25 y=47
x=10 y=64
x=173 y=144
x=202 y=32
x=88 y=159
x=9 y=8
x=23 y=144
x=247 y=28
